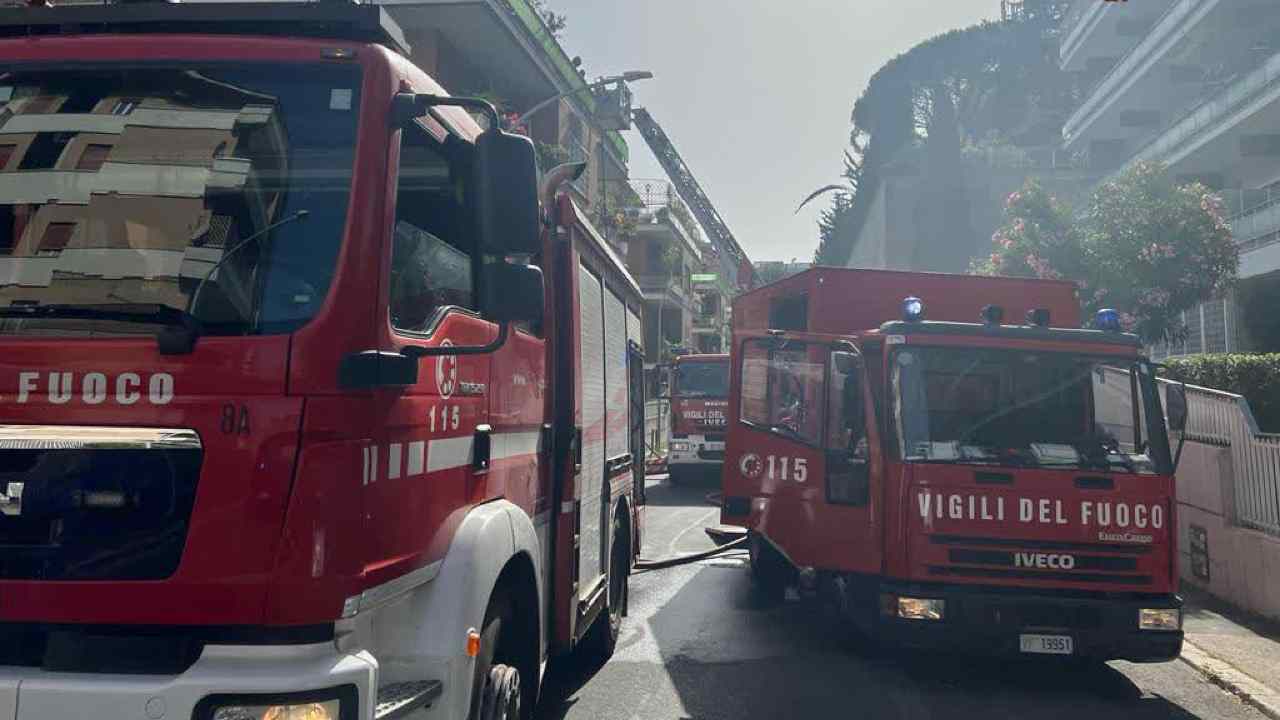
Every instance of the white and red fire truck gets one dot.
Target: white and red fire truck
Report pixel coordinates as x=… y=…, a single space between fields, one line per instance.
x=314 y=405
x=953 y=462
x=699 y=390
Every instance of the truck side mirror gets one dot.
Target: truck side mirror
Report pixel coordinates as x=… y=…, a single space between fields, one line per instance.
x=506 y=197
x=512 y=293
x=1176 y=410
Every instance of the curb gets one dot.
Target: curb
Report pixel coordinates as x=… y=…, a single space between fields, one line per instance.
x=1227 y=677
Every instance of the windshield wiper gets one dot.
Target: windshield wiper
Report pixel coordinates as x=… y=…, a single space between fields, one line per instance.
x=179 y=337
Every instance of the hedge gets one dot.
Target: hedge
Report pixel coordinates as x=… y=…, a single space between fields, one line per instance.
x=1256 y=377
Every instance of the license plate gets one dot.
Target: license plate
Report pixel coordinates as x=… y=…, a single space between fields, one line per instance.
x=1046 y=644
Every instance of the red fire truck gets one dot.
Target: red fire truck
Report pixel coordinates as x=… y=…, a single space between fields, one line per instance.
x=699 y=391
x=291 y=428
x=950 y=477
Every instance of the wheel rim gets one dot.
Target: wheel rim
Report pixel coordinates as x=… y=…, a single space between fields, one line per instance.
x=502 y=694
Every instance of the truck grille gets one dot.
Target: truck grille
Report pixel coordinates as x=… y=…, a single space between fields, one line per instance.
x=95 y=503
x=1013 y=559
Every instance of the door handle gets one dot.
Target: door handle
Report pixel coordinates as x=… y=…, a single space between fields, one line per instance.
x=482 y=448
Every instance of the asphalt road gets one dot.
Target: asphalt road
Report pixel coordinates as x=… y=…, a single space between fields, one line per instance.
x=698 y=643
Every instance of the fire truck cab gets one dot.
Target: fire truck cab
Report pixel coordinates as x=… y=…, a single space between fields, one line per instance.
x=950 y=474
x=699 y=391
x=315 y=404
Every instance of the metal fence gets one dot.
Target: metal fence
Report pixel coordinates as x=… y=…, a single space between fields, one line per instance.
x=1221 y=418
x=1224 y=418
x=656 y=419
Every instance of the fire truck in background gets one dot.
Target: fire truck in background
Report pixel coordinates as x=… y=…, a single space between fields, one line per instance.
x=699 y=391
x=949 y=478
x=292 y=428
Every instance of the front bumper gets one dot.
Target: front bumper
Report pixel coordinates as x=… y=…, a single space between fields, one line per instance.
x=696 y=452
x=991 y=622
x=34 y=694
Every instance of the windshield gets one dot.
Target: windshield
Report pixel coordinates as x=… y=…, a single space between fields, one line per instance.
x=701 y=380
x=218 y=190
x=1038 y=409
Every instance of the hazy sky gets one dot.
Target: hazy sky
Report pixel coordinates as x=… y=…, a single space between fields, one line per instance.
x=755 y=94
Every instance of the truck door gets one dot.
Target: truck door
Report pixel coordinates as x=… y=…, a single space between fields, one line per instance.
x=421 y=467
x=802 y=456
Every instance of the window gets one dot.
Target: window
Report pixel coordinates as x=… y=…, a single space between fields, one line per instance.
x=124 y=106
x=6 y=152
x=298 y=150
x=93 y=157
x=44 y=151
x=782 y=387
x=789 y=313
x=431 y=266
x=56 y=237
x=848 y=450
x=9 y=229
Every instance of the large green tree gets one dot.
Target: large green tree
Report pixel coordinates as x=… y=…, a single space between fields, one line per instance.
x=1144 y=245
x=996 y=78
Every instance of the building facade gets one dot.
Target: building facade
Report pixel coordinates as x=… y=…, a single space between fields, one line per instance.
x=1193 y=84
x=503 y=51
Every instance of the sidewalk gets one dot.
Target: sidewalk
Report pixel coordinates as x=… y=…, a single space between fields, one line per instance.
x=1240 y=654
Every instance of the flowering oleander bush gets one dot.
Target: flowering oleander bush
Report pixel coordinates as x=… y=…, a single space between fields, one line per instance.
x=1144 y=246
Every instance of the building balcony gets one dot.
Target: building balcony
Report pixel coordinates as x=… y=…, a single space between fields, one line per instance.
x=1127 y=86
x=1096 y=31
x=1247 y=103
x=1257 y=232
x=665 y=288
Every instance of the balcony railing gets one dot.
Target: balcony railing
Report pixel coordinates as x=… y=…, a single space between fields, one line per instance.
x=1210 y=113
x=1174 y=16
x=1073 y=25
x=1256 y=223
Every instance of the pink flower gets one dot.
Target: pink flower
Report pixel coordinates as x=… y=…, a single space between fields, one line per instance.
x=1041 y=268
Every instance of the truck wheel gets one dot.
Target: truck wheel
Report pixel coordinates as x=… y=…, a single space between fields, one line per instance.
x=676 y=475
x=496 y=690
x=602 y=638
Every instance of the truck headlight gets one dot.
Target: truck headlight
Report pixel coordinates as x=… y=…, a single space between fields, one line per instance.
x=1160 y=619
x=334 y=704
x=303 y=711
x=910 y=608
x=679 y=446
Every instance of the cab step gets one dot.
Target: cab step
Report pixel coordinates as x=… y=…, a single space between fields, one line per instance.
x=399 y=699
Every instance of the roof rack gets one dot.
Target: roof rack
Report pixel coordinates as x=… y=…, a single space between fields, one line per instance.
x=334 y=19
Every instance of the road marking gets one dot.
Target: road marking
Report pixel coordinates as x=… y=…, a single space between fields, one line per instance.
x=699 y=523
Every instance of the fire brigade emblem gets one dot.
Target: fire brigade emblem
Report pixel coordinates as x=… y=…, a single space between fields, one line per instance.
x=750 y=466
x=447 y=372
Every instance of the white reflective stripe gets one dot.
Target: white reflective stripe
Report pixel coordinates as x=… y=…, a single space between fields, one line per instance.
x=365 y=477
x=373 y=464
x=449 y=453
x=394 y=456
x=515 y=444
x=417 y=458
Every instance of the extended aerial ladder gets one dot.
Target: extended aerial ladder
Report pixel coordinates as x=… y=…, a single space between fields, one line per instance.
x=687 y=185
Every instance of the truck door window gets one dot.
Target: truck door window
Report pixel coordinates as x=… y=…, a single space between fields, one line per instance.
x=783 y=388
x=431 y=268
x=846 y=417
x=848 y=452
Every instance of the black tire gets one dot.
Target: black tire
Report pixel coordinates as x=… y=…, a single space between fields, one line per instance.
x=602 y=639
x=677 y=475
x=497 y=692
